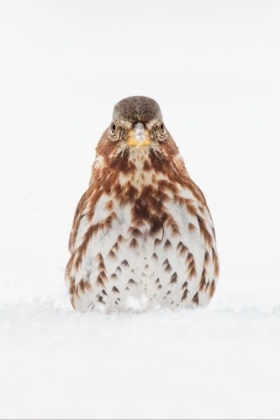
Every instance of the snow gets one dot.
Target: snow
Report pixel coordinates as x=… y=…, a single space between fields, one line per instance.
x=214 y=69
x=218 y=362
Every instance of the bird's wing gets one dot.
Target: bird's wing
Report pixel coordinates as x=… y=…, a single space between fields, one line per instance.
x=76 y=221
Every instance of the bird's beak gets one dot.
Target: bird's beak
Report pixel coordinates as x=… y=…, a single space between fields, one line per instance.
x=138 y=136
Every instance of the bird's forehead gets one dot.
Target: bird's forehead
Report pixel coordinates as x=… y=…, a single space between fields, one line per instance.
x=137 y=109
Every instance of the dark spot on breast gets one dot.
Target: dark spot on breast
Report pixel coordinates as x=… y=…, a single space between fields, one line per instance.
x=174 y=228
x=167 y=265
x=190 y=205
x=215 y=262
x=101 y=266
x=192 y=273
x=191 y=227
x=179 y=246
x=125 y=263
x=81 y=285
x=184 y=250
x=100 y=299
x=173 y=278
x=137 y=233
x=112 y=254
x=212 y=288
x=100 y=282
x=168 y=268
x=99 y=257
x=191 y=266
x=195 y=299
x=116 y=246
x=167 y=245
x=133 y=243
x=203 y=230
x=120 y=238
x=185 y=295
x=103 y=275
x=185 y=285
x=202 y=282
x=132 y=282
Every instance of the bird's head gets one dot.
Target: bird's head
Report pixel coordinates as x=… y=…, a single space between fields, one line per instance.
x=137 y=128
x=137 y=141
x=137 y=122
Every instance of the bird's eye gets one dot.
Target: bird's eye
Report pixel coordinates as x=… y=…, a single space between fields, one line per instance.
x=162 y=128
x=113 y=128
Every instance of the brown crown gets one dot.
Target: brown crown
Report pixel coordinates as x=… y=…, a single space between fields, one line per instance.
x=137 y=109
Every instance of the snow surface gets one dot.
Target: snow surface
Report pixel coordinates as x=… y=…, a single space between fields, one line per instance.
x=214 y=69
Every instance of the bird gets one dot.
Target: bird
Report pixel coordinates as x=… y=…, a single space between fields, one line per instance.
x=142 y=235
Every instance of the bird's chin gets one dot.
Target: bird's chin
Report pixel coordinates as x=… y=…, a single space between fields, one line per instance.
x=132 y=142
x=138 y=152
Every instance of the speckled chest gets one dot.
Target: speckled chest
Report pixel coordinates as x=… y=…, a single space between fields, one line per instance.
x=155 y=262
x=145 y=241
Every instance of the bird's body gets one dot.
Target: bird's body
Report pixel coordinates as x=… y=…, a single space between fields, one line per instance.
x=142 y=234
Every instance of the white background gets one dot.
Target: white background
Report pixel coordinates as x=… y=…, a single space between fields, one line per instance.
x=213 y=66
